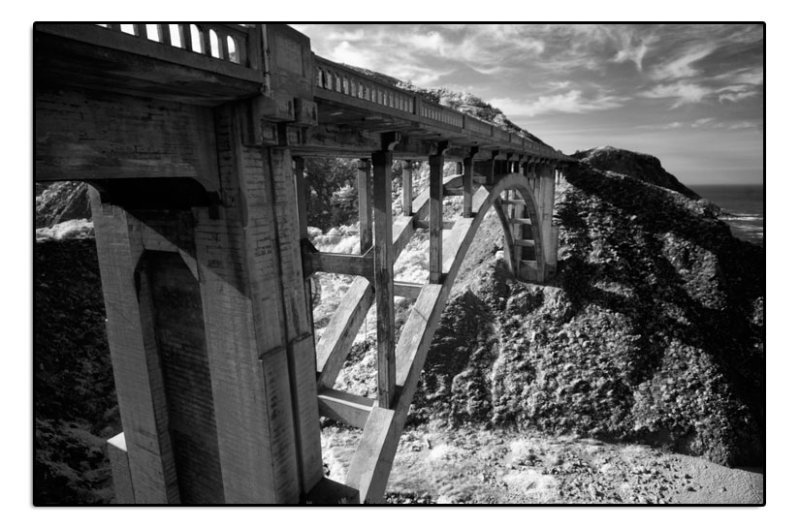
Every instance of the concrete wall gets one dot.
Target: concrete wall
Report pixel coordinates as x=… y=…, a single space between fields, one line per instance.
x=90 y=135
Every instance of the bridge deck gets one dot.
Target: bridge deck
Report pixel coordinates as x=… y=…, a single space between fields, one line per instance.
x=209 y=64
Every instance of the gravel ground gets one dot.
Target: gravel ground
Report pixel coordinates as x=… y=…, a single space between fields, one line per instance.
x=469 y=466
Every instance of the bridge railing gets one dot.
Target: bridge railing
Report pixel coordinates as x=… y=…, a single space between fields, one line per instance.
x=227 y=42
x=335 y=78
x=347 y=83
x=228 y=49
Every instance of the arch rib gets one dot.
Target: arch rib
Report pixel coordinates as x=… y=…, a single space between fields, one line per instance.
x=372 y=462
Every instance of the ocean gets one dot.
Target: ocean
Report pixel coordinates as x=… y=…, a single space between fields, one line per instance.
x=743 y=208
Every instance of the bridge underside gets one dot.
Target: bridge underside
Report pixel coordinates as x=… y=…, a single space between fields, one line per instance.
x=199 y=210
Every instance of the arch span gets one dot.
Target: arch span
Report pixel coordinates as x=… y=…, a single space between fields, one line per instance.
x=372 y=462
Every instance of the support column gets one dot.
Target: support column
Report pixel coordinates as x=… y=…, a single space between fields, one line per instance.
x=257 y=321
x=547 y=197
x=518 y=211
x=299 y=325
x=436 y=162
x=364 y=181
x=301 y=192
x=494 y=168
x=137 y=375
x=408 y=189
x=469 y=167
x=384 y=272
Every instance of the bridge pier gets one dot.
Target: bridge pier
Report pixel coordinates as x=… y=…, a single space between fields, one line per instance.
x=211 y=336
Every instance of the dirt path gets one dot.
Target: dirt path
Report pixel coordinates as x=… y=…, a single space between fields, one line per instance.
x=494 y=467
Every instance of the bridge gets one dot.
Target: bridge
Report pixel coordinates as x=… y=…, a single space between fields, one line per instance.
x=194 y=139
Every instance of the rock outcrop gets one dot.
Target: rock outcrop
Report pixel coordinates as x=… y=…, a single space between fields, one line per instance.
x=61 y=201
x=643 y=167
x=653 y=330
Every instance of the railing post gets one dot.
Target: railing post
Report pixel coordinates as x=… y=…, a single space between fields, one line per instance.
x=407 y=189
x=436 y=162
x=364 y=204
x=205 y=38
x=186 y=36
x=384 y=272
x=163 y=34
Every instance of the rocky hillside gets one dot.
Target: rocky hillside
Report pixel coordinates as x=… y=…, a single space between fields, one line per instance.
x=653 y=330
x=643 y=167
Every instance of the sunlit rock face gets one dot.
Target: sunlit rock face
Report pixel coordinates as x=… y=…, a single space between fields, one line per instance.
x=643 y=167
x=61 y=201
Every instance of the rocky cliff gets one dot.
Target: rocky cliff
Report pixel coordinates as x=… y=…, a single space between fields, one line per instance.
x=653 y=330
x=643 y=167
x=61 y=201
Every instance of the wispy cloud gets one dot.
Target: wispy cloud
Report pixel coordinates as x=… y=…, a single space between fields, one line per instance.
x=707 y=123
x=736 y=96
x=700 y=123
x=682 y=92
x=750 y=75
x=571 y=102
x=683 y=66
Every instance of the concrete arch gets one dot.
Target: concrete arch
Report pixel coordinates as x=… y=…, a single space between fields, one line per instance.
x=521 y=184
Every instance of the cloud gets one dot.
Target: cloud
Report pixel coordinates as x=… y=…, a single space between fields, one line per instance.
x=682 y=92
x=667 y=126
x=699 y=123
x=739 y=125
x=735 y=97
x=571 y=102
x=631 y=48
x=682 y=67
x=366 y=57
x=751 y=75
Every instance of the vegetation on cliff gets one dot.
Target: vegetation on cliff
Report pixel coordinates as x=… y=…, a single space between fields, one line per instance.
x=75 y=408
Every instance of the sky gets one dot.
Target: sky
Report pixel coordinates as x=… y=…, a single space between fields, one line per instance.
x=692 y=95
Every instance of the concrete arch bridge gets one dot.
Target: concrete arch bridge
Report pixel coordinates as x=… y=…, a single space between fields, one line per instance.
x=193 y=137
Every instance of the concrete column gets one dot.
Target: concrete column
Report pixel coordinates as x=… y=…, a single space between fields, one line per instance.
x=469 y=167
x=384 y=276
x=408 y=190
x=364 y=182
x=299 y=321
x=547 y=197
x=258 y=332
x=436 y=193
x=137 y=375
